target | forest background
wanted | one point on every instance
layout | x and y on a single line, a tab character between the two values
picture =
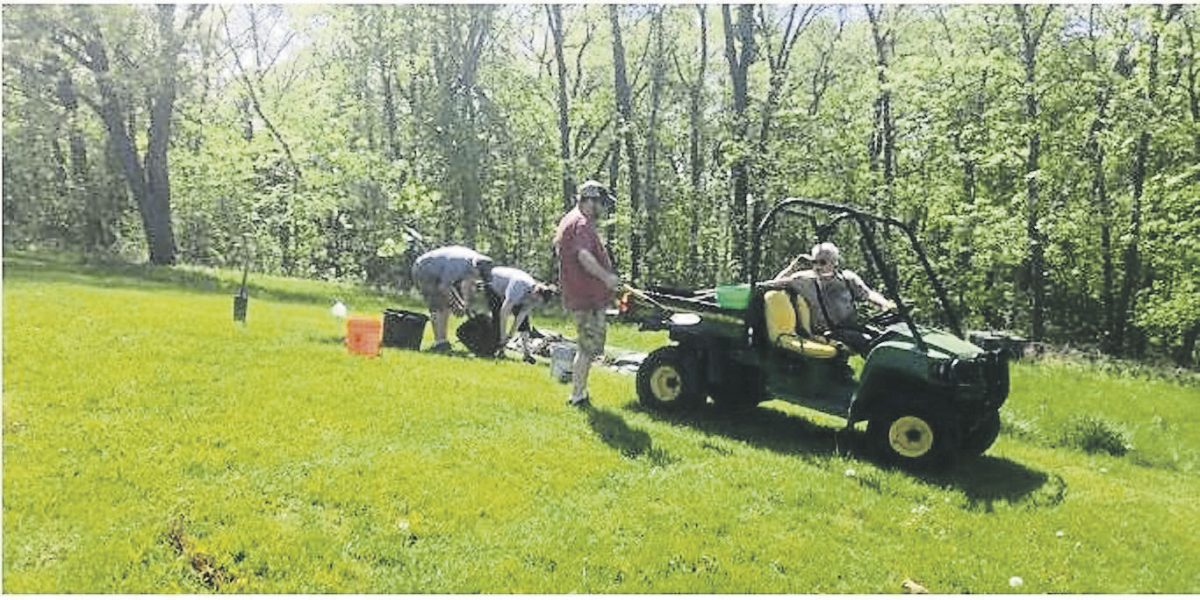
1047	156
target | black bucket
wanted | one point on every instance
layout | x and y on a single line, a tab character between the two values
403	329
479	336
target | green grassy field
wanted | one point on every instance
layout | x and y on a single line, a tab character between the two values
150	445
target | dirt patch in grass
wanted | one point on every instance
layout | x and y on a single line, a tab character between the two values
212	574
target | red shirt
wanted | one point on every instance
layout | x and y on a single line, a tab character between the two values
580	290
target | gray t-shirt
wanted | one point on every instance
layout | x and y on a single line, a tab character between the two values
448	265
838	294
512	284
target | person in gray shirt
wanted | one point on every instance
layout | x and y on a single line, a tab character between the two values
446	278
515	292
831	294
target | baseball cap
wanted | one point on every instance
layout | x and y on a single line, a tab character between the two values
592	189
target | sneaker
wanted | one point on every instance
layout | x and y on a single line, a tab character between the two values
584	402
440	348
530	359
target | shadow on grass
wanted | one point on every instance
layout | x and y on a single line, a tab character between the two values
988	480
62	268
630	442
985	480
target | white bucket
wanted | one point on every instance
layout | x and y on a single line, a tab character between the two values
562	360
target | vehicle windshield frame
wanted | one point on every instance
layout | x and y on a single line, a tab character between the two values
863	219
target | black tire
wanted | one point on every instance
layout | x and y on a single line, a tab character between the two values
670	379
742	387
916	438
977	439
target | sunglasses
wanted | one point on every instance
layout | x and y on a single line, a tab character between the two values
820	262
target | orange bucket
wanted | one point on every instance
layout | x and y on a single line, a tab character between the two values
363	335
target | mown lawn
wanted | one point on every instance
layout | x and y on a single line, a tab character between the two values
150	445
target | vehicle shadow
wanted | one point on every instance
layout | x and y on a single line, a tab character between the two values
629	441
985	480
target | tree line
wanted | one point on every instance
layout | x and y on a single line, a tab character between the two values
1048	155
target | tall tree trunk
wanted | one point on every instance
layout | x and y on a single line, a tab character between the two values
97	231
625	129
614	175
158	182
1099	191
1187	349
777	61
1192	92
823	75
1127	300
387	78
554	12
149	185
695	158
656	84
740	34
883	140
1030	38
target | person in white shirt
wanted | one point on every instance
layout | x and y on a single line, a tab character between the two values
513	293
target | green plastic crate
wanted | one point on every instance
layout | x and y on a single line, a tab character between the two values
733	296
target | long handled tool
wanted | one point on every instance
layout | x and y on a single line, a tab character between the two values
643	296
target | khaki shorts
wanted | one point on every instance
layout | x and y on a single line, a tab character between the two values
435	299
591	327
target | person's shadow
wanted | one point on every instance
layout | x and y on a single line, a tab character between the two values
630	442
985	480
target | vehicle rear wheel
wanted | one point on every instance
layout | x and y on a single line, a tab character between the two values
670	378
913	438
978	439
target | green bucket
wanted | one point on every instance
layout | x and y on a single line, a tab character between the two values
733	296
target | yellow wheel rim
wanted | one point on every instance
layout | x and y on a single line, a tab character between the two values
910	437
665	383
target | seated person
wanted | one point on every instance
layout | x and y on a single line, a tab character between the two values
830	294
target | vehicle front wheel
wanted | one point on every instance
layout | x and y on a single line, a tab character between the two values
913	439
670	378
978	439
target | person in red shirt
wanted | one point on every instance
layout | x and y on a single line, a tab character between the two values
586	279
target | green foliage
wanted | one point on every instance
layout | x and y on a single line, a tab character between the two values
1095	435
441	122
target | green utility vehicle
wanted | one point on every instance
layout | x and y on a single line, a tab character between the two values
928	396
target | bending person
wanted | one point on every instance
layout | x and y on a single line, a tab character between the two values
515	293
447	277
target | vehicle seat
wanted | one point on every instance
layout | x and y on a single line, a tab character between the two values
781	317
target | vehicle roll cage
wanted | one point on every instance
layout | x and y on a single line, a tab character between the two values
864	220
